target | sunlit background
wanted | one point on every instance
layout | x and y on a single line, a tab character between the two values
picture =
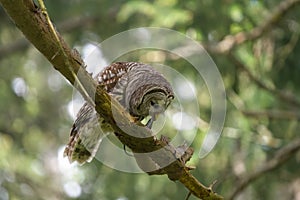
38	105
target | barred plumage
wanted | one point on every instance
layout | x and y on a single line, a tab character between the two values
140	89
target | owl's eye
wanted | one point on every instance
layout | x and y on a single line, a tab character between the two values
152	103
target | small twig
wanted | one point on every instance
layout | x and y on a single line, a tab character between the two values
213	184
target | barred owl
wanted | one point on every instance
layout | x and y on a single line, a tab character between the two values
139	88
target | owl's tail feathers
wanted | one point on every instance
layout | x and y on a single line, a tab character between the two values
75	151
85	139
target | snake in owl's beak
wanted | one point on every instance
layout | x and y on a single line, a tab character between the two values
154	111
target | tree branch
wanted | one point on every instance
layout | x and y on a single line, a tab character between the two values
231	41
65	26
274	114
287	97
34	25
280	157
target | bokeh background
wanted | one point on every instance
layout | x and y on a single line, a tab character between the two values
261	77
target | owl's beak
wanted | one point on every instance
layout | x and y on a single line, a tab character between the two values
154	112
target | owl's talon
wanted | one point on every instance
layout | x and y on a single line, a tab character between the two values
124	148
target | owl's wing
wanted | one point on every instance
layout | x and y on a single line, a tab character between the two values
111	75
89	128
86	135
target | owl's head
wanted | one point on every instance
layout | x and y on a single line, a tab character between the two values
149	93
155	101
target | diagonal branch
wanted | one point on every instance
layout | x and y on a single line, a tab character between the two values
287	97
231	41
273	114
35	26
280	157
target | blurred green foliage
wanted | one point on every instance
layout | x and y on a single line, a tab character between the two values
35	101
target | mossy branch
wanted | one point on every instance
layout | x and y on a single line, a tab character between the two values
37	28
